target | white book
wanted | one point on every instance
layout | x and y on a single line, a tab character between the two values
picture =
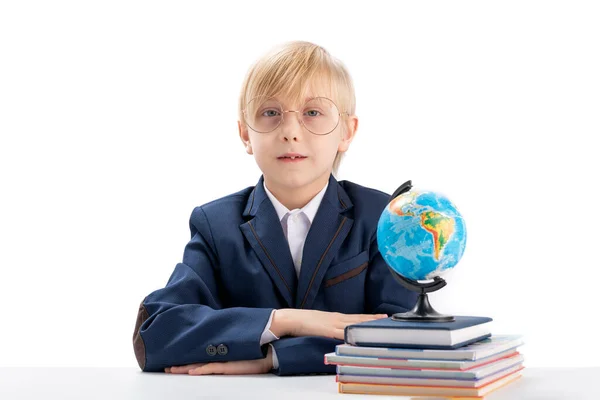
333	358
390	380
475	351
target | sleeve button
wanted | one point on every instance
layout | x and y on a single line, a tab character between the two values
222	349
211	350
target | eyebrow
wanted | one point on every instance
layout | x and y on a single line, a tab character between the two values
303	101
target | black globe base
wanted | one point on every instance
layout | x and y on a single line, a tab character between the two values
422	311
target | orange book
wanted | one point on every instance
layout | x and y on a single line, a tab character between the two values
406	390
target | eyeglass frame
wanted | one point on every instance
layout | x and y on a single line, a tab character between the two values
296	111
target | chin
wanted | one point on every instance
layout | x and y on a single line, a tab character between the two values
295	180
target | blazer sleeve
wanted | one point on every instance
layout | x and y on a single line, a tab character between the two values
383	295
304	355
185	322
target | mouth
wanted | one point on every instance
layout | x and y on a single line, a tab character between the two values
291	157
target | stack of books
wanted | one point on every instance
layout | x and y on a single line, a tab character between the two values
449	359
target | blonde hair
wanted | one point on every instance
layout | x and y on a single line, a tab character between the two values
292	69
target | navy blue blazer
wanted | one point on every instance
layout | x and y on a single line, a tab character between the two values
237	267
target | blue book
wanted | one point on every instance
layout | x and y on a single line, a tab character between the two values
387	332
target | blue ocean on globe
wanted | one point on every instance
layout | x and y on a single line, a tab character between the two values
421	235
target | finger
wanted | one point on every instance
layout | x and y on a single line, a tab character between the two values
374	315
231	368
335	332
362	316
209	369
184	369
338	334
357	319
244	367
370	317
168	370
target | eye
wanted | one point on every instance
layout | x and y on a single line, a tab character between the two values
270	113
313	113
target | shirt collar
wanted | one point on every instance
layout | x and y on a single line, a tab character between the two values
310	209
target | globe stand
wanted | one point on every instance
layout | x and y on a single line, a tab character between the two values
422	311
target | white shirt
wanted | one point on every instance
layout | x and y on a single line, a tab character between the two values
296	224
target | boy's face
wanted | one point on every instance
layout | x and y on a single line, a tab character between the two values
272	150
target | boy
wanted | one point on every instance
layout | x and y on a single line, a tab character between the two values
262	288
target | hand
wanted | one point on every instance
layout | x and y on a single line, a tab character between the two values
294	322
245	367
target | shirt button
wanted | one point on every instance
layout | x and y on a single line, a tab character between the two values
222	349
211	350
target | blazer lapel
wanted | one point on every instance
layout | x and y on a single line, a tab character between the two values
264	233
326	235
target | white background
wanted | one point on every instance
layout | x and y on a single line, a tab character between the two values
117	118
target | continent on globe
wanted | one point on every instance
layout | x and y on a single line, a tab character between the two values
441	227
399	204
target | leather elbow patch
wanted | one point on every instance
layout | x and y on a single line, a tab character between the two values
139	347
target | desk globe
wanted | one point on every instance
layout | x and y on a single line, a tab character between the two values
421	235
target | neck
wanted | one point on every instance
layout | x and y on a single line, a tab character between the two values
297	197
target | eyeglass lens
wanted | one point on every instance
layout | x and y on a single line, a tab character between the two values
319	115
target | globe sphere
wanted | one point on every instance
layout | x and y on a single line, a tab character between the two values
421	235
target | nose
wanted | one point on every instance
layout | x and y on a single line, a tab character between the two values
291	128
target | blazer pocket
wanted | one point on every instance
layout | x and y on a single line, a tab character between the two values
347	269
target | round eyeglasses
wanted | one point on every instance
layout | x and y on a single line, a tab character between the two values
319	115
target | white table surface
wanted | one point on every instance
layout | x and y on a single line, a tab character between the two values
131	384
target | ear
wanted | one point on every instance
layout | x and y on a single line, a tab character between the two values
348	133
245	137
